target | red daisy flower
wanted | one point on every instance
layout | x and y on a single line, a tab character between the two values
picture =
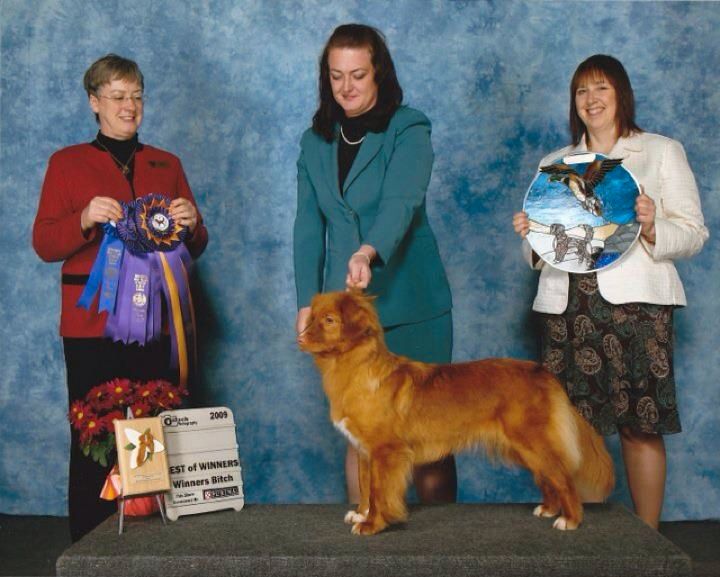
169	396
145	392
91	427
107	420
99	398
141	410
79	412
119	390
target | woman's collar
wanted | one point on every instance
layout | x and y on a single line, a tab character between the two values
632	143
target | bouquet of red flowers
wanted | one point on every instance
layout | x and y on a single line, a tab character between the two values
93	416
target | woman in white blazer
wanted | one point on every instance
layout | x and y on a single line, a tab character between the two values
608	335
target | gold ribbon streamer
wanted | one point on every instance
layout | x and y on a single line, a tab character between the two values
192	314
176	312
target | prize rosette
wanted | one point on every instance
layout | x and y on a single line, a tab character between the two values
581	210
143	262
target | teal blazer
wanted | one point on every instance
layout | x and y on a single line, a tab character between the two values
383	204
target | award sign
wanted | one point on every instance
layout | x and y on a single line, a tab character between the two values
142	456
582	212
205	472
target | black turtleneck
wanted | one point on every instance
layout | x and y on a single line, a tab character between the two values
354	129
121	151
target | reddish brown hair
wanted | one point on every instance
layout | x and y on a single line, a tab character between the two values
603	66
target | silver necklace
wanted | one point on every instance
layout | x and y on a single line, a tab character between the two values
350	142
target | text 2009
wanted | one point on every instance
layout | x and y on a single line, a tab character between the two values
214	415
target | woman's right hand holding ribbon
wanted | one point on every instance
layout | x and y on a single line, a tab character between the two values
100	210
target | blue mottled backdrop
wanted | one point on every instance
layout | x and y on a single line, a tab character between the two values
231	85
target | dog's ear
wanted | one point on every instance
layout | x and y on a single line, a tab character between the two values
357	316
360	294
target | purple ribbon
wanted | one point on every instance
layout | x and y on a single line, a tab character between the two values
138	311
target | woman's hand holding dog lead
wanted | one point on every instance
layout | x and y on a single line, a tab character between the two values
359	271
521	224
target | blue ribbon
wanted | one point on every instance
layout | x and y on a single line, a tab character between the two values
105	271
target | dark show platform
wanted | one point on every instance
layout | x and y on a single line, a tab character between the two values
442	540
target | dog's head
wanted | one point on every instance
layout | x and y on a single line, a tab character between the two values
339	322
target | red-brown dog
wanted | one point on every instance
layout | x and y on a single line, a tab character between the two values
399	412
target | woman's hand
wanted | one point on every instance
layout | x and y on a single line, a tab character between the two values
303	320
100	210
184	213
645	211
521	224
359	272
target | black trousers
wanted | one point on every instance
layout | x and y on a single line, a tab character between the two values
90	362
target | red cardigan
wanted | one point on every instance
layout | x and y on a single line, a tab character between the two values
76	175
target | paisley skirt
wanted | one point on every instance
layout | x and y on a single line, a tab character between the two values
616	361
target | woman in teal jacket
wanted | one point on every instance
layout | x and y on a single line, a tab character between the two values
363	171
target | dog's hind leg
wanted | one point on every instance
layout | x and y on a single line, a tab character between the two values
549	470
550	506
390	469
561	483
360	515
572	511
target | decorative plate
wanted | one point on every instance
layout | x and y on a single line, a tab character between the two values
582	212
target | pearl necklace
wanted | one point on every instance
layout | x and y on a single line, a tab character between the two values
350	142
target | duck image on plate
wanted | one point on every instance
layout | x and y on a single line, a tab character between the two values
582	212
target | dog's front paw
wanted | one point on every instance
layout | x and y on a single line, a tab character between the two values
564	524
544	511
352	517
368	527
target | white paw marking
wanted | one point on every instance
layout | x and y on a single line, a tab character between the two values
352	517
541	511
562	524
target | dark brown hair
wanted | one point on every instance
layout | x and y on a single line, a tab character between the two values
603	66
390	95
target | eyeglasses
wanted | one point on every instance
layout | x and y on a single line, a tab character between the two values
117	99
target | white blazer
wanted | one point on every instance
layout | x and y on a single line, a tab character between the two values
646	272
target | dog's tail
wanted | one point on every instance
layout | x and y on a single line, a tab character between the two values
595	477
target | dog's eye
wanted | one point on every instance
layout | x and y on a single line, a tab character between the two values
329	320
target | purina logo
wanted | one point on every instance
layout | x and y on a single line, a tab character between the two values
220	493
170	421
